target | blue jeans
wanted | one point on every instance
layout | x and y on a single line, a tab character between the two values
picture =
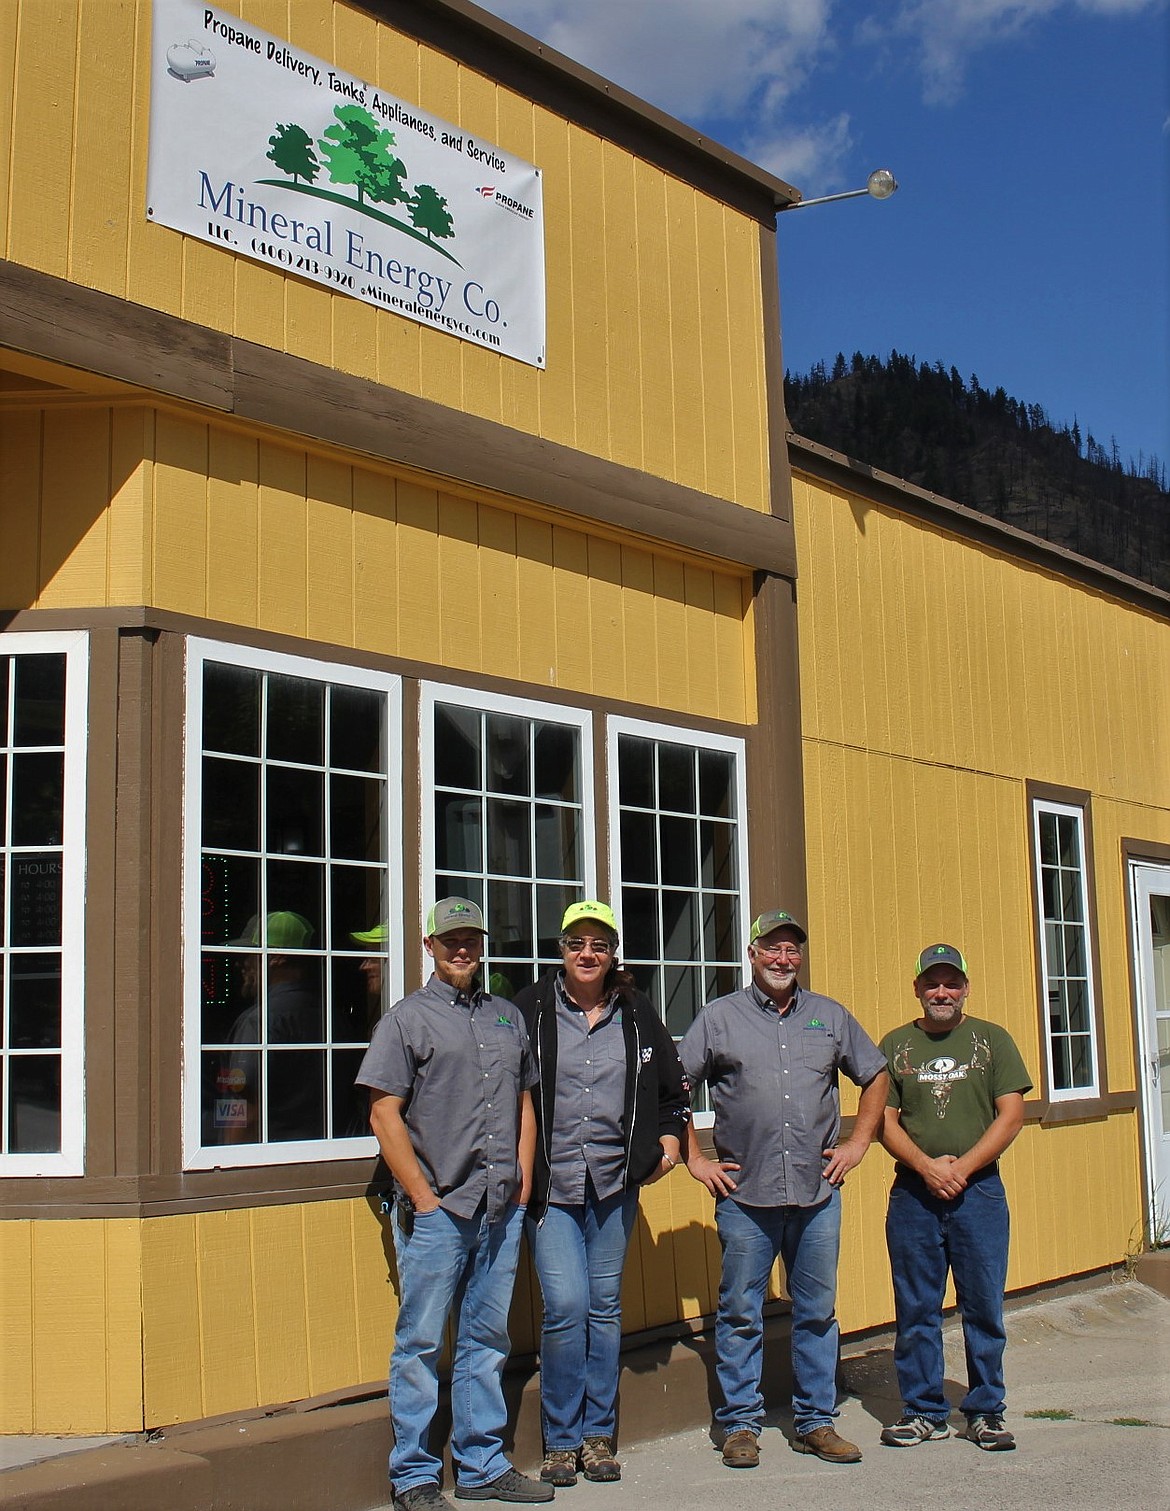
808	1240
469	1264
925	1237
580	1252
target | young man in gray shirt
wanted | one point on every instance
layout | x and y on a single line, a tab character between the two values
449	1074
770	1055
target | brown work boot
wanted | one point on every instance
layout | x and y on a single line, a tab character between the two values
559	1467
598	1462
741	1450
827	1444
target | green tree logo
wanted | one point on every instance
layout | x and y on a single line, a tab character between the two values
291	149
428	211
358	152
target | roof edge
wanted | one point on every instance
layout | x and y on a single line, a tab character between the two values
494	47
835	467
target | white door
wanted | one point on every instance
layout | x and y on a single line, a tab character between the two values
1151	914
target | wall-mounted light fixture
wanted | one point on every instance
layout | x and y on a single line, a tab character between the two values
880	184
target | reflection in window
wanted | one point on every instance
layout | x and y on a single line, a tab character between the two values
678	858
509	805
40	928
1070	1030
293	865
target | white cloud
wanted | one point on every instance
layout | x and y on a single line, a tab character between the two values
946	32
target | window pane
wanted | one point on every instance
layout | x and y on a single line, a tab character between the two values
471	887
231	804
34	1104
1048	854
358	899
231	709
555	756
36	899
356	736
640	923
358	997
1070	886
457	749
716	783
1050	892
351	1104
509	919
635	772
1061	1065
229	897
676	778
296	1094
458	832
39	715
718	868
38	798
558	842
722	981
680	926
1066	839
1076	1011
298	887
639	847
507	755
1081	1060
719	928
293	999
356	817
678	851
509	851
3	771
551	903
228	991
296	811
296	720
230	1097
682	987
34	1002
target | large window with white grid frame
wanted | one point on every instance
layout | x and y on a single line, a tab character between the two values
292	850
678	856
43	737
1066	961
507	819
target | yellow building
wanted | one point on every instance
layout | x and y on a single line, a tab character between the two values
317	600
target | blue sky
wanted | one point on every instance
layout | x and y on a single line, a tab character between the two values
1029	242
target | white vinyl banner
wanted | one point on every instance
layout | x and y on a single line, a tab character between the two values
258	147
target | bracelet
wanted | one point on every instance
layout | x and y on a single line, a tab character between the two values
670	1163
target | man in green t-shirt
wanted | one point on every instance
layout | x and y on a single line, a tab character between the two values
956	1102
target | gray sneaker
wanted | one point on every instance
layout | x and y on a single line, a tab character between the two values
990	1433
426	1497
908	1432
510	1486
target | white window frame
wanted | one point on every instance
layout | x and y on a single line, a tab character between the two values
196	1155
689	739
1047	975
432	693
70	1158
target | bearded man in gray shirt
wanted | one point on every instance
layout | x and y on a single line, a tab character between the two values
770	1055
449	1073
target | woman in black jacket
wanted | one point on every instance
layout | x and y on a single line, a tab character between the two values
612	1108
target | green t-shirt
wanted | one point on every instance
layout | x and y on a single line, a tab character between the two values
945	1084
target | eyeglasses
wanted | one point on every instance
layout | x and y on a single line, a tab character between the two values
598	946
779	951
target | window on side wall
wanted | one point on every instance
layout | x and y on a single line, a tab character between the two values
678	851
1066	959
292	828
507	820
43	724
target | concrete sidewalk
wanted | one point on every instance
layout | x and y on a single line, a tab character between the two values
1089	1401
1078	1369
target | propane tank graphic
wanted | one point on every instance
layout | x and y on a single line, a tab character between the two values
190	60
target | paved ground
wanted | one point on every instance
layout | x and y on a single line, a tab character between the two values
1082	1373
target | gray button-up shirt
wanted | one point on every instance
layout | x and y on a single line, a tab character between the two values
590	1093
460	1065
773	1084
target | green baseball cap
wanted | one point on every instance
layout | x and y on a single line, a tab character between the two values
940	954
454	913
766	922
282	931
589	912
378	935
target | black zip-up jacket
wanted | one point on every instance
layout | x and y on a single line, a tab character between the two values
657	1099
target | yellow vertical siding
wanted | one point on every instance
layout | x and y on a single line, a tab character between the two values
126	506
654	300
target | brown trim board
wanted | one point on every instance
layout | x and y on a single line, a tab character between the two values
54	319
848	475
